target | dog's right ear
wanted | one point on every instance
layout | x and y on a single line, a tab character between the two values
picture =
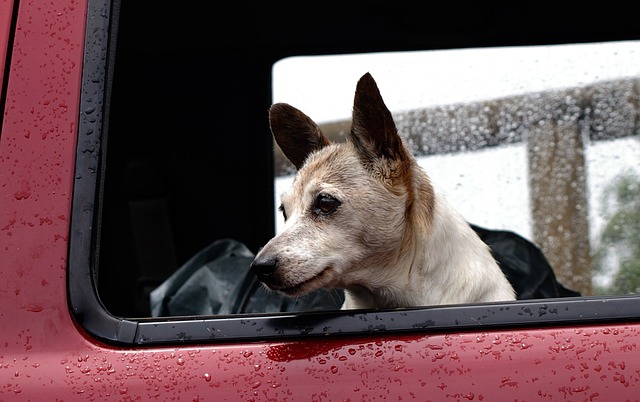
295	133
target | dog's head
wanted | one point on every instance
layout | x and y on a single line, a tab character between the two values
347	212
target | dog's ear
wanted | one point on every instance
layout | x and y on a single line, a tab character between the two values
295	133
373	130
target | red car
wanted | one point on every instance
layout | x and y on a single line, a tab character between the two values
135	135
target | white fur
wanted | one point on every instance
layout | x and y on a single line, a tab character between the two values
451	266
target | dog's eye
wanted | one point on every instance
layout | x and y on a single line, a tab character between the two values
325	204
284	213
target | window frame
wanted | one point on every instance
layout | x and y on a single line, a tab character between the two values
84	243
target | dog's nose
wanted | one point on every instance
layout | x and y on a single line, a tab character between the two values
264	267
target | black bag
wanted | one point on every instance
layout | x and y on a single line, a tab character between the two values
524	265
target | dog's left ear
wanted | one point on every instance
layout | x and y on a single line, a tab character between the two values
295	132
373	130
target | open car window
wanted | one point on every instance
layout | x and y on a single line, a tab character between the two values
178	178
538	140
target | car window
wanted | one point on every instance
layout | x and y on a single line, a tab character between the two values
177	182
538	140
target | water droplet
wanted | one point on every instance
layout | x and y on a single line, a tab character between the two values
207	377
22	194
334	369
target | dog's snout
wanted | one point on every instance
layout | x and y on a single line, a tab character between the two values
264	267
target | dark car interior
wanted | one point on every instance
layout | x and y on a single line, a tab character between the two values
188	151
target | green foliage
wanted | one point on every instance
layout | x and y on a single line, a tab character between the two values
620	239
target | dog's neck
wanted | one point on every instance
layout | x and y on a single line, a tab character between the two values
442	265
404	290
400	285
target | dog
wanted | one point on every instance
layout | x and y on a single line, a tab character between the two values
364	216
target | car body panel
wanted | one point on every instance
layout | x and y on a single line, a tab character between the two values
45	353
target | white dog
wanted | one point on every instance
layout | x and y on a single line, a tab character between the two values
363	216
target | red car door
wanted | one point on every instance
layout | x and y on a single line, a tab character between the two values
59	342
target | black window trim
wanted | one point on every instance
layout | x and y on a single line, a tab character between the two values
91	314
8	57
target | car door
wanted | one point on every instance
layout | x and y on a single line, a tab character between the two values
118	161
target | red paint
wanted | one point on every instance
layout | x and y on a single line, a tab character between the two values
44	354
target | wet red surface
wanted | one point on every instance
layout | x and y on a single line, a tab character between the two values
43	353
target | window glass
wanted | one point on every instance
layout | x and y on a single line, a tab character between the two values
542	141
